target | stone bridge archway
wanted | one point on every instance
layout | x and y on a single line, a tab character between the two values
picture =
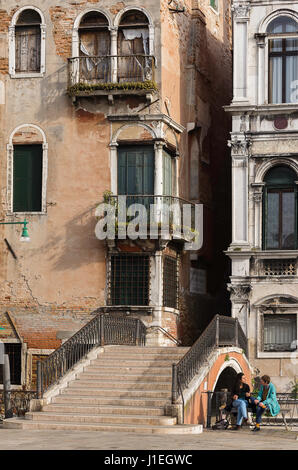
223	366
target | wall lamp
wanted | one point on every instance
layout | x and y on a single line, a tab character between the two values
25	235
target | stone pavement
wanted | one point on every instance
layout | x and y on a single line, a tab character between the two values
267	439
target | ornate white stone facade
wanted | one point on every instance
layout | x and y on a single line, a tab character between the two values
264	135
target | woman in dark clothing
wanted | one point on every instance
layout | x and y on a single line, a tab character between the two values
240	396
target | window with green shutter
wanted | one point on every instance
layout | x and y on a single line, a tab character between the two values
136	170
27	178
214	4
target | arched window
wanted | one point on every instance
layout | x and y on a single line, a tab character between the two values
280	209
283	60
28	42
94	47
27	170
134	63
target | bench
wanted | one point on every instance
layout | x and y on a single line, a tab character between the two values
287	405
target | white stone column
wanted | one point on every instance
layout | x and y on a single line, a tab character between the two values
239	147
12	53
158	172
75	63
258	199
261	67
9	193
44	177
114	167
158	180
114	50
43	48
240	294
240	21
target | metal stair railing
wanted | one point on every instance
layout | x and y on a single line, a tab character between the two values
101	330
222	331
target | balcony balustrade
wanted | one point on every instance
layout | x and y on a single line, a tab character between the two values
158	216
95	75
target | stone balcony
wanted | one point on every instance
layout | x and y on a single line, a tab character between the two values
109	76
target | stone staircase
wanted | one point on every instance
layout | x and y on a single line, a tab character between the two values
126	388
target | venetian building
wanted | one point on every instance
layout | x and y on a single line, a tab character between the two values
101	99
264	151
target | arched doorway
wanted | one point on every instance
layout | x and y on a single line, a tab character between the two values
222	389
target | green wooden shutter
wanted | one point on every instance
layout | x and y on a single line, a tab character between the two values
135	170
27	178
167	174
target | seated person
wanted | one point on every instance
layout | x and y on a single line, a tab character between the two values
266	400
240	395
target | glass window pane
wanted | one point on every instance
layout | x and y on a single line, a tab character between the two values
275	45
272	241
282	24
288	221
280	332
291	79
275	66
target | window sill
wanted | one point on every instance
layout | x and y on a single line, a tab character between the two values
214	11
11	214
27	75
277	355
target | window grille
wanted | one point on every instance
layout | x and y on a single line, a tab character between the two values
280	267
14	353
129	279
170	282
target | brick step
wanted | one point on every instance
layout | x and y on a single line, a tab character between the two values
17	423
128	377
101	419
104	401
103	409
123	385
95	391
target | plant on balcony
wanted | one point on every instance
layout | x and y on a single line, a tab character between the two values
90	88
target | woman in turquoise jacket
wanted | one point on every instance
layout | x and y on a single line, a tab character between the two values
266	400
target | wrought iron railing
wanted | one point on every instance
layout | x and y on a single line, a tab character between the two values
91	70
221	331
19	402
101	330
166	215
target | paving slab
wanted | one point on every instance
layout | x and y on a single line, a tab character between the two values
266	439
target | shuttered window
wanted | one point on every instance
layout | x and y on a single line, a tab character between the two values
95	47
170	282
28	49
27	178
28	42
136	170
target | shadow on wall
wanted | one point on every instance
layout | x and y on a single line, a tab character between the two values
53	95
77	246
